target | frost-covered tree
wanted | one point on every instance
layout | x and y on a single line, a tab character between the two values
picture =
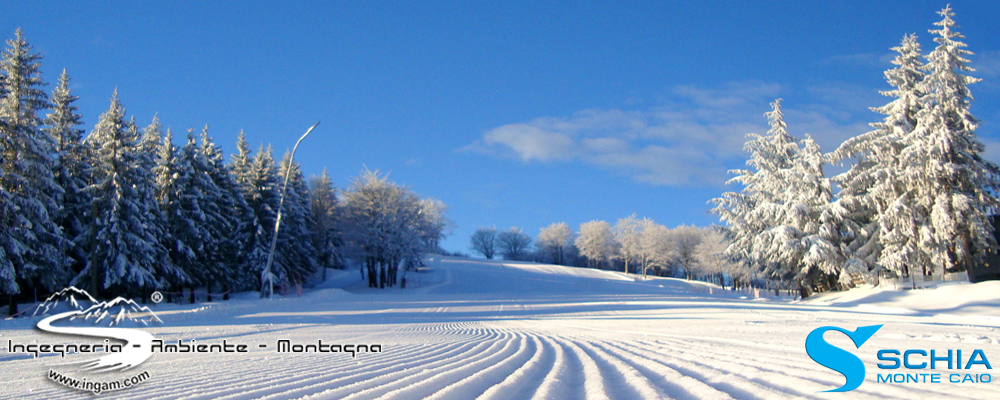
241	163
261	193
597	243
257	199
782	223
952	187
656	248
388	225
709	258
876	221
230	226
178	202
484	241
757	207
124	234
71	167
196	223
432	227
513	243
32	246
325	215
628	232
808	235
294	249
554	240
684	239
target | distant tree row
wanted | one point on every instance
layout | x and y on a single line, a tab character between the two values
632	245
915	200
125	211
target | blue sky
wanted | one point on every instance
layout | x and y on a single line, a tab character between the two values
512	113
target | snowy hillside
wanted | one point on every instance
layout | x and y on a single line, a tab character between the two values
467	329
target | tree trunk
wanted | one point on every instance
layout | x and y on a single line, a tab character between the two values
11	305
381	276
94	273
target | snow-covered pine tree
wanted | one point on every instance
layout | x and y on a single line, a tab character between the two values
232	226
810	226
782	223
294	237
71	168
257	237
179	202
326	238
151	141
241	163
873	193
202	226
262	198
952	186
33	244
126	225
754	210
168	177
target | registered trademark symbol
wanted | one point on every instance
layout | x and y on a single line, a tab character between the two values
156	297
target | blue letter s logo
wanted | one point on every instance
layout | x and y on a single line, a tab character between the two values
838	359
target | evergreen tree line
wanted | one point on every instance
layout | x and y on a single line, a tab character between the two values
915	201
125	211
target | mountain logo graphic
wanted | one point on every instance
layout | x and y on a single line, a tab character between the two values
75	312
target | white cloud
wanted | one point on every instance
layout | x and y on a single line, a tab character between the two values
987	64
691	138
531	142
868	60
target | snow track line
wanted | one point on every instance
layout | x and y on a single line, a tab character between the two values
299	381
379	368
621	380
444	376
739	367
387	379
401	352
741	389
674	383
530	375
479	382
551	384
593	382
369	381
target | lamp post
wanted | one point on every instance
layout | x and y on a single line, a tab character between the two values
277	221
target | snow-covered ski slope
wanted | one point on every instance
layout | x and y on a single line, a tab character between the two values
468	329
